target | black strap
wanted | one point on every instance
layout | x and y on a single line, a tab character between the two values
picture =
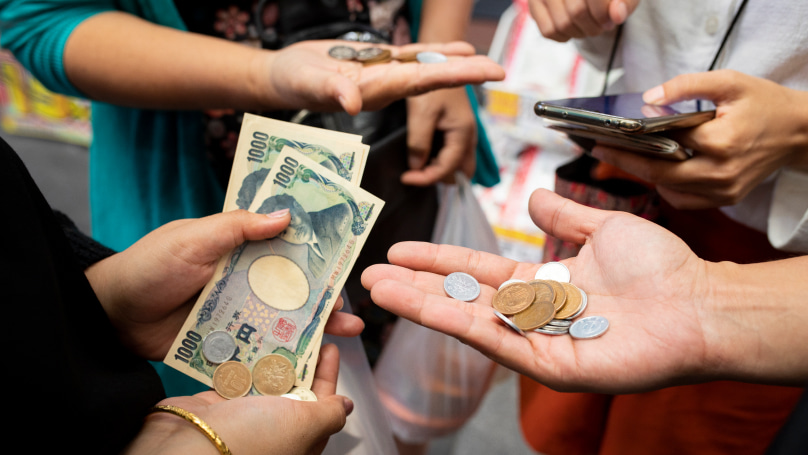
619	33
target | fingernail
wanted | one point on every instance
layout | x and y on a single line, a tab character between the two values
348	405
278	214
654	95
342	103
622	13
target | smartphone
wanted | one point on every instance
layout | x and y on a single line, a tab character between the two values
626	113
646	144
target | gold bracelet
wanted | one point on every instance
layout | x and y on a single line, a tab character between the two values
203	427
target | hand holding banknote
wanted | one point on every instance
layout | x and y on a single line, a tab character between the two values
257	326
148	289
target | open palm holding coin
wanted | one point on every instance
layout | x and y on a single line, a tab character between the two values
643	279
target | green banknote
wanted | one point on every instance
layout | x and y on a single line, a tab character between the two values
274	296
261	140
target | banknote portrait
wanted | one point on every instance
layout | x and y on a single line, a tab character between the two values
323	231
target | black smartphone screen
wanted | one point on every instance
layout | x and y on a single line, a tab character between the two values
628	105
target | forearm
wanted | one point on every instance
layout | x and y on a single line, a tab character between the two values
755	327
444	20
121	59
168	434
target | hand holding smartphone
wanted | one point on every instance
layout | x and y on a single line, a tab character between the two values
624	121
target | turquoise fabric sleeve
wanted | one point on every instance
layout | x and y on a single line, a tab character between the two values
36	33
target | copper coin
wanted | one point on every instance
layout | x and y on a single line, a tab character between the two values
573	304
544	291
370	55
406	57
513	298
274	375
536	315
232	379
559	294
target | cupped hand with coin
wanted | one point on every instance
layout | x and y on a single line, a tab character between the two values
148	289
674	318
253	424
303	75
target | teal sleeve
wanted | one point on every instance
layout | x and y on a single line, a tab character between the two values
36	33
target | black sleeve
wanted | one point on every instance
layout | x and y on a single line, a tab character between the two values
86	250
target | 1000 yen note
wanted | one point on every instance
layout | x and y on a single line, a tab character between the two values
261	140
274	296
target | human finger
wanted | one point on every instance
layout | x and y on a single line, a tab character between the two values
421	121
327	371
716	86
487	268
344	324
563	218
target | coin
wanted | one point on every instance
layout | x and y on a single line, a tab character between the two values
560	323
584	300
405	57
273	374
301	394
589	327
218	347
544	291
536	315
513	298
573	304
513	280
232	379
547	330
461	286
370	55
342	52
555	271
508	322
431	57
559	295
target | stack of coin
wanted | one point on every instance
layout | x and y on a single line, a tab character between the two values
551	306
374	55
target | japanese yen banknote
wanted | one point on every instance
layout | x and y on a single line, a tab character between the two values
274	296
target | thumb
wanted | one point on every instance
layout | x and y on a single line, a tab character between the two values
330	416
715	86
346	92
620	10
564	219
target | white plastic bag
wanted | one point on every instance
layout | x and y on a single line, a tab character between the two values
367	430
429	382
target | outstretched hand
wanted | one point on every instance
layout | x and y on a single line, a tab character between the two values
642	278
303	75
253	424
149	289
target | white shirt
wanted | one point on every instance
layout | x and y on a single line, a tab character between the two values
665	38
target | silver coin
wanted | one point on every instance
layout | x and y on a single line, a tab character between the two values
584	300
549	331
218	347
560	323
555	271
514	280
300	394
509	323
342	52
461	286
589	327
431	57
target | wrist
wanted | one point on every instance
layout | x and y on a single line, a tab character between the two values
754	326
169	434
799	105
